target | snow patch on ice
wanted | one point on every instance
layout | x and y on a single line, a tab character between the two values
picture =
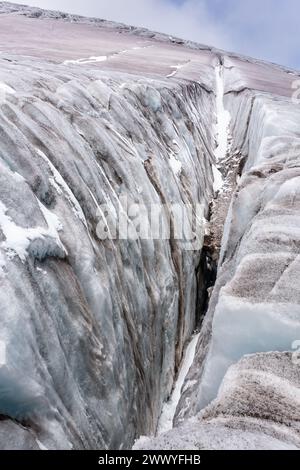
41	446
176	67
41	270
218	179
61	186
223	117
169	410
18	238
101	58
2	353
6	89
87	60
175	164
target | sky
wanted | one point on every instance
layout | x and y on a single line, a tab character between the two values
266	29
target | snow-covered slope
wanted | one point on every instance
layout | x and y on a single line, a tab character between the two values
96	116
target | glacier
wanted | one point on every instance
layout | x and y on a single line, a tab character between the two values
97	337
257	408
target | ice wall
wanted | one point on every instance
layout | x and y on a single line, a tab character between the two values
257	408
255	304
93	330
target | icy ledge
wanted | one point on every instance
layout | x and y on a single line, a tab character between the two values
258	407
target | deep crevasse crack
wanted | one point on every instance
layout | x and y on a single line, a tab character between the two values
223	119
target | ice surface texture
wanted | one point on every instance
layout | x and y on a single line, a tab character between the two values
255	304
92	332
257	408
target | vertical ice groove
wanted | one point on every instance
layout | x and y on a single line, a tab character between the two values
223	116
169	409
222	137
222	127
60	184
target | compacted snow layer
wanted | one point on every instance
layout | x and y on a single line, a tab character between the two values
257	407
